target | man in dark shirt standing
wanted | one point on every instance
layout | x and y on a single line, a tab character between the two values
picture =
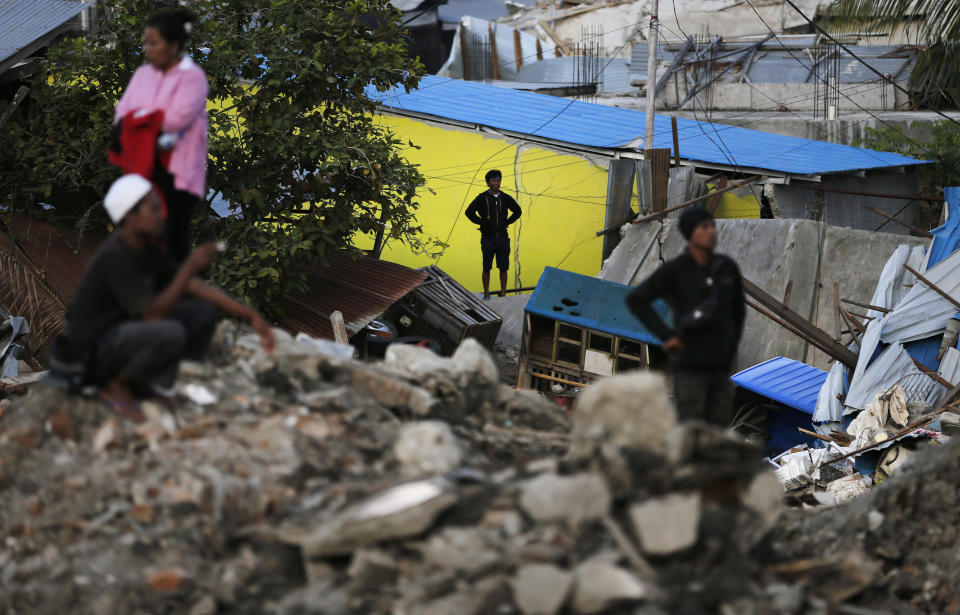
705	292
136	313
494	211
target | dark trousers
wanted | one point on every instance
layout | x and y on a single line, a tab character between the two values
704	396
149	352
180	205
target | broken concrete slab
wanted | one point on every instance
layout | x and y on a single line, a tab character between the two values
601	585
667	524
541	589
427	448
572	499
604	419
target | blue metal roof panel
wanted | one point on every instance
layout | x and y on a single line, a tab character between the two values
789	382
24	21
591	303
601	126
946	238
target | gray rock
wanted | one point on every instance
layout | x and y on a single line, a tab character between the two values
573	499
632	410
764	496
427	448
472	362
541	589
461	548
371	569
667	524
600	585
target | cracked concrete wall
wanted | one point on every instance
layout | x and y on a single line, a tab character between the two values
773	254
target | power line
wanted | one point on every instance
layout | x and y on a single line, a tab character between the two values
827	83
847	49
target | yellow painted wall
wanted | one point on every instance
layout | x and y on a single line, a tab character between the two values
563	198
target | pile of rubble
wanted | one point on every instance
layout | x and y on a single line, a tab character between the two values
872	418
307	482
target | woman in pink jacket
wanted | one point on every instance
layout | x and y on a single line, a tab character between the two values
171	82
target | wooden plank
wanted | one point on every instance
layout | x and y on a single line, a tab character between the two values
465	57
539	50
808	330
17	99
898	221
676	141
517	49
879	195
867	305
557	41
660	172
616	227
495	57
836	309
339	328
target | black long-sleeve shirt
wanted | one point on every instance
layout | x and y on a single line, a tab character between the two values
493	213
685	285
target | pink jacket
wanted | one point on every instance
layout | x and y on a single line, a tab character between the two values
182	95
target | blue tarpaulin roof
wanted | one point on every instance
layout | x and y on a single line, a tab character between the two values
601	126
591	303
789	382
946	238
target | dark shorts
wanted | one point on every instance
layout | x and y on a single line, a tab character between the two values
495	246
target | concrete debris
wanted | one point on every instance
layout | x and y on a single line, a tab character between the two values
310	486
428	447
668	524
541	589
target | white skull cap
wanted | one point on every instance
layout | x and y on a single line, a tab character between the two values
124	194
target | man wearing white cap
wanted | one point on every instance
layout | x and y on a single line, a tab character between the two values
136	313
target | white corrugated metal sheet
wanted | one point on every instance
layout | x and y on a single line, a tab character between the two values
923	312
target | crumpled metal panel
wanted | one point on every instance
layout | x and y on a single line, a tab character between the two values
892	366
829	408
923	312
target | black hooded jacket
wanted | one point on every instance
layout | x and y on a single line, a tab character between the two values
493	213
688	288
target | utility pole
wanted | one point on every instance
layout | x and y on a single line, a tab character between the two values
651	77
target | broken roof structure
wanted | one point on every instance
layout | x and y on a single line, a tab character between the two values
26	26
360	287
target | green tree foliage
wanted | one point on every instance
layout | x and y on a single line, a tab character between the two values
935	81
295	147
942	145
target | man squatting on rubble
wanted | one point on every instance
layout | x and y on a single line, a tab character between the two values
136	312
705	293
490	210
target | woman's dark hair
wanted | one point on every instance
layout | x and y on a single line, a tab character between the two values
173	25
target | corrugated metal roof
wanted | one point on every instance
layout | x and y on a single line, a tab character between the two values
591	303
615	77
774	64
361	288
601	126
789	382
24	21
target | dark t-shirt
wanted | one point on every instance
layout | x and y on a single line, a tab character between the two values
118	284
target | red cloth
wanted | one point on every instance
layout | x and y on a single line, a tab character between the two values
138	151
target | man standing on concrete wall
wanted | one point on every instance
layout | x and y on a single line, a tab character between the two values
494	211
705	293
